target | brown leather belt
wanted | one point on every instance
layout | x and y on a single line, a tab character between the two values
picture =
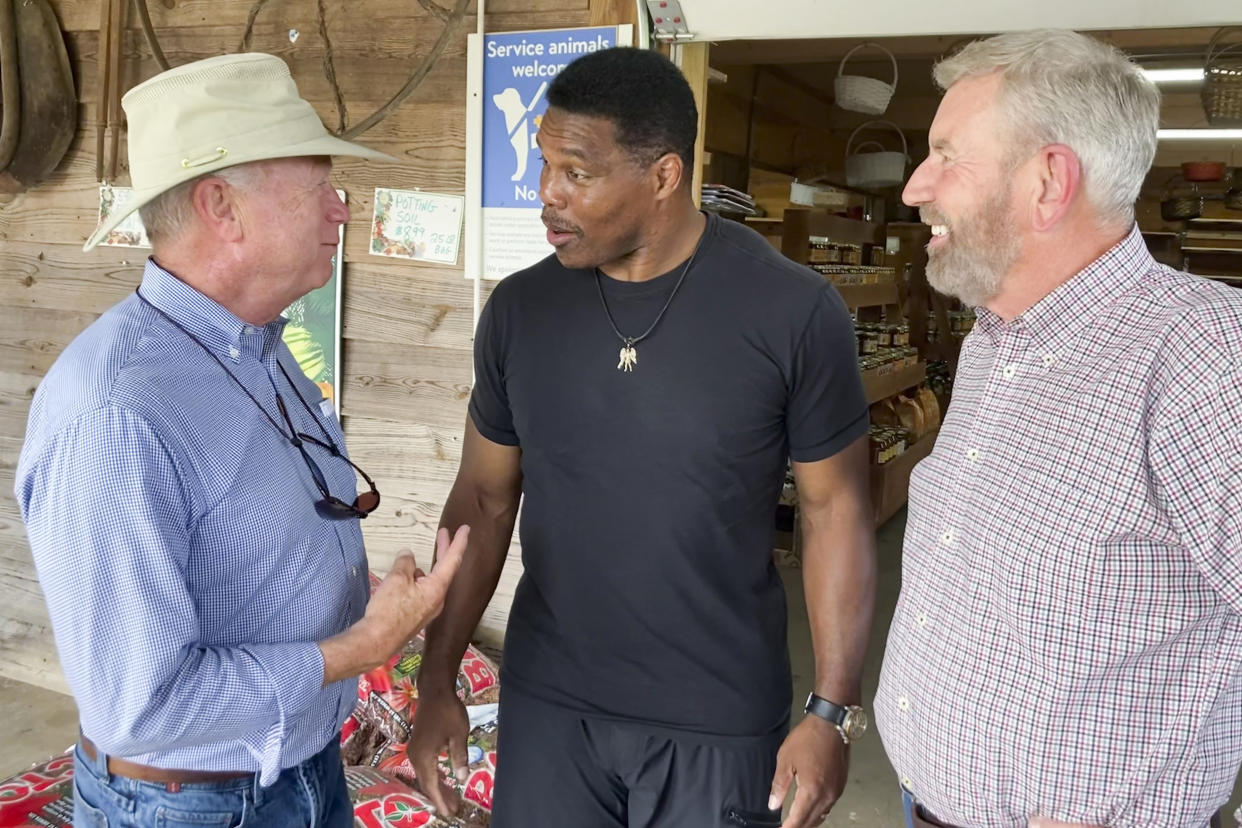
164	776
921	819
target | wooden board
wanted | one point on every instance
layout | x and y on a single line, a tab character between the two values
890	482
867	296
880	385
81	15
800	223
406	383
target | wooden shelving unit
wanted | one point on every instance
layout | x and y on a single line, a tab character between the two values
880	385
800	224
863	296
890	482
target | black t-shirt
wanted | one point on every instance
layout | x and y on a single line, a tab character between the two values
649	592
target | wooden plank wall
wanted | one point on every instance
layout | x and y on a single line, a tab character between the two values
407	326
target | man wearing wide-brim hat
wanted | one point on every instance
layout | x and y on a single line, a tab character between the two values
193	514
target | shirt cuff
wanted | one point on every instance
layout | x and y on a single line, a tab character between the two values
296	675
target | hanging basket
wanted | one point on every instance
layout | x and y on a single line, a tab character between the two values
874	170
1222	79
859	93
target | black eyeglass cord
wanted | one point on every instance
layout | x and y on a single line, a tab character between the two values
292	437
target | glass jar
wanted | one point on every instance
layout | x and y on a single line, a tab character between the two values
818	253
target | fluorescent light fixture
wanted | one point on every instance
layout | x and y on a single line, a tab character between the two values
1199	135
1174	75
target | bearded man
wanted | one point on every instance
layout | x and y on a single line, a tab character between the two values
1068	641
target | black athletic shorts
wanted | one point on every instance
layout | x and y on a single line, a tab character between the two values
561	769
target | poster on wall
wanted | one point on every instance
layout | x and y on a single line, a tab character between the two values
130	232
313	330
507	81
411	224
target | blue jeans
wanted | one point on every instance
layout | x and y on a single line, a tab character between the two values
908	805
310	795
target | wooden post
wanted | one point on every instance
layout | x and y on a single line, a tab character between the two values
692	58
614	12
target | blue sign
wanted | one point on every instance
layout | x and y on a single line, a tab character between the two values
517	68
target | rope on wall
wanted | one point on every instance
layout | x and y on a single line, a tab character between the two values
450	20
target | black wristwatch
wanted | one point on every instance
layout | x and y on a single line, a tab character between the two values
850	721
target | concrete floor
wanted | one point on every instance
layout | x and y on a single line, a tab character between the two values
870	797
36	724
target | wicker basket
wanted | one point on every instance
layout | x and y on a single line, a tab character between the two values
1178	205
859	93
1222	78
1233	196
874	170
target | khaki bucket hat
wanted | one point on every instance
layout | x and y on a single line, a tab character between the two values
216	113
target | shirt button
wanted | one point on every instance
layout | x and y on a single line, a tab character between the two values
906	783
353	572
921	619
948	537
973	455
234	352
1010	371
903	704
1049	360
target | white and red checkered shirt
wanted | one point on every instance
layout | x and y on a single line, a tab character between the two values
1068	641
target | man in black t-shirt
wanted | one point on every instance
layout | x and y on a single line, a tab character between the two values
640	391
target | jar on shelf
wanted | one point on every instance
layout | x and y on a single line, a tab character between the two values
871	339
818	253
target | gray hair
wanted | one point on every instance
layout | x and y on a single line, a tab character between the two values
1061	87
166	216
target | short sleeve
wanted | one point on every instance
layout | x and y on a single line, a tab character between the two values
827	408
489	400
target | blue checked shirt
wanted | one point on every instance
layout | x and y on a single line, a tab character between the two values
187	575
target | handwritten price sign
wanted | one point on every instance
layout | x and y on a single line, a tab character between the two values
416	225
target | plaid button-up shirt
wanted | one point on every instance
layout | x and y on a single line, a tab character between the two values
1068	641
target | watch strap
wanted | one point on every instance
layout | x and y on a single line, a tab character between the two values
826	710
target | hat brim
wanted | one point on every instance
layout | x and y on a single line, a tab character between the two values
322	145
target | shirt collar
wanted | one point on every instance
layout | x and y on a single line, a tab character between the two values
205	318
1055	322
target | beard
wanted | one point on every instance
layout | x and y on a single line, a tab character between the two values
979	251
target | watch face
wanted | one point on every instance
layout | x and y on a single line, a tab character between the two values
855	724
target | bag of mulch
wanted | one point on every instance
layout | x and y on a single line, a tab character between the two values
382	800
41	797
388	697
376	733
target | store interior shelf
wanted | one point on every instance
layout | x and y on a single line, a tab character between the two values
890	482
864	296
800	224
879	385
